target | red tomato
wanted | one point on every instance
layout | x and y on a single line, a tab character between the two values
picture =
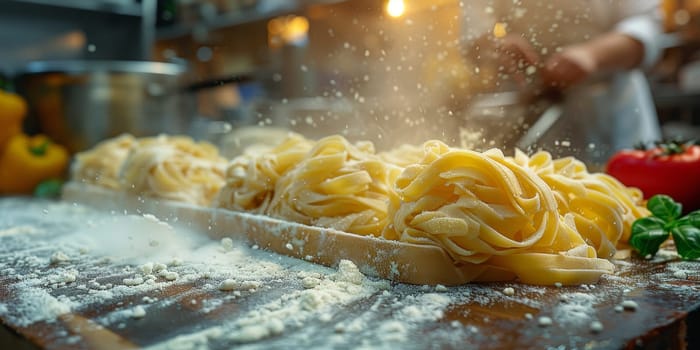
672	169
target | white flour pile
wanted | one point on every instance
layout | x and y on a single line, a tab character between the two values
35	305
575	309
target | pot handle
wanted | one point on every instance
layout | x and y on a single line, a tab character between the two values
206	84
157	90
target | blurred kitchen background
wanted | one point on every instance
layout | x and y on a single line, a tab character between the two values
391	71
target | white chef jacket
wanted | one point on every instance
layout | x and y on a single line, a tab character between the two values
602	115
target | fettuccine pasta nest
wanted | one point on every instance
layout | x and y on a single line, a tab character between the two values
251	177
485	209
174	168
600	207
101	165
337	185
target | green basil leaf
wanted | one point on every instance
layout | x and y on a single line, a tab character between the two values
644	225
647	235
692	219
687	239
664	207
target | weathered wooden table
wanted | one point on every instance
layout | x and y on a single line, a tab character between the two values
75	278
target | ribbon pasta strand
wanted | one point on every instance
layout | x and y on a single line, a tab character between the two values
337	185
175	168
251	178
599	206
101	165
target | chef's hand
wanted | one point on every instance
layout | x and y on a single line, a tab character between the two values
569	67
516	54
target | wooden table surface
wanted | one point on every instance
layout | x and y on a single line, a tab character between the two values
42	308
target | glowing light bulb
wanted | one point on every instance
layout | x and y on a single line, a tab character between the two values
395	8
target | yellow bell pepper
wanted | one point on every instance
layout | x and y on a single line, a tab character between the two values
13	108
27	161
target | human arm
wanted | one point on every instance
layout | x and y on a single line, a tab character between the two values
637	40
608	52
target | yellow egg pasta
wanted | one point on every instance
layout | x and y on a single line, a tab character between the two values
337	185
483	208
538	219
403	155
600	207
101	165
251	177
175	168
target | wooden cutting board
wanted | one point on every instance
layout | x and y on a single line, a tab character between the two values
396	261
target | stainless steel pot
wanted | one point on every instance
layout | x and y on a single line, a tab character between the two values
79	103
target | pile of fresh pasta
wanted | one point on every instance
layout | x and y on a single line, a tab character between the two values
524	215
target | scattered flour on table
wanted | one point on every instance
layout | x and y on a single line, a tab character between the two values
198	340
423	308
59	257
680	274
575	309
312	296
63	234
596	326
683	269
227	244
138	312
169	275
128	258
35	304
340	288
179	256
293	309
63	277
409	312
227	284
629	305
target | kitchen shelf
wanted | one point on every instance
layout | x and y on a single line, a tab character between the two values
235	18
221	21
128	8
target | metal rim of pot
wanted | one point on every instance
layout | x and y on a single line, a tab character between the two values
83	66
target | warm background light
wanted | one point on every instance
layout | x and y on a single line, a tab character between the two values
395	8
287	30
499	30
